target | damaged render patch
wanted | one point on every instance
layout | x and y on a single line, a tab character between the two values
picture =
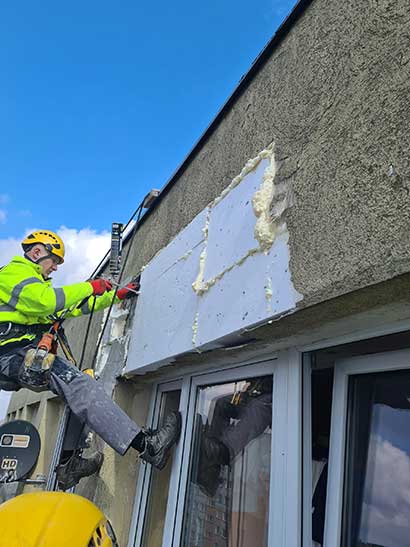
115	331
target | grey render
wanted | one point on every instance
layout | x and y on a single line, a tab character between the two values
333	94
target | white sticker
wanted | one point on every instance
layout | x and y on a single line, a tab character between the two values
9	463
9	440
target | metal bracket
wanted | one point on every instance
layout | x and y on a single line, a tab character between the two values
150	198
116	249
7	330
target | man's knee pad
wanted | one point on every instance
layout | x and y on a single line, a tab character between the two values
35	370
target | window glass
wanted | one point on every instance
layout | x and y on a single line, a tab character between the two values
159	486
322	385
377	486
227	503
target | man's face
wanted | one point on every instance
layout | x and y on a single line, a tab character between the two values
48	264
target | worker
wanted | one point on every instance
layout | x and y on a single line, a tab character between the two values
54	519
28	306
236	421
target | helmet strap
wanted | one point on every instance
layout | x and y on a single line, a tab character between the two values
27	257
38	263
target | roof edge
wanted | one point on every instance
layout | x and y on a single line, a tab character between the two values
257	64
281	33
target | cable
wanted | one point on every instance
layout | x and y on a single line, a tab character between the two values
80	363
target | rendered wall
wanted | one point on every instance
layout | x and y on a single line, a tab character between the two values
333	97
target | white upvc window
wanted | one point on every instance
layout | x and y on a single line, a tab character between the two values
235	477
155	488
368	499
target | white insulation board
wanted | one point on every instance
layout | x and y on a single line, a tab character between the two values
241	284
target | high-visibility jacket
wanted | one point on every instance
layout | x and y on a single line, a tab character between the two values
26	298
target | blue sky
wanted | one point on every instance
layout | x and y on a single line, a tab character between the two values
99	102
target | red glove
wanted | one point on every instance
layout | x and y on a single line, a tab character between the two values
125	292
100	286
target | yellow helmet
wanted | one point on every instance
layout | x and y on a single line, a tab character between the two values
51	241
52	519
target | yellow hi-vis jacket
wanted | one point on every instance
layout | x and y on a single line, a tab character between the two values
26	298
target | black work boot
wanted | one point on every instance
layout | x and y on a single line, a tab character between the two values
158	443
77	467
213	454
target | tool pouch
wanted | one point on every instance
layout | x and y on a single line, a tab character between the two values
34	372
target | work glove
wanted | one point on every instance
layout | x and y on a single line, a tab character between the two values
100	286
125	292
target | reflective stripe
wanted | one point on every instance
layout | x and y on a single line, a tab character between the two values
18	288
85	308
6	308
60	299
27	337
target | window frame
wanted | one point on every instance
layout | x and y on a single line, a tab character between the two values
307	450
285	472
145	472
344	368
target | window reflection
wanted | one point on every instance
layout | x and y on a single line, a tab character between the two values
377	508
228	490
322	383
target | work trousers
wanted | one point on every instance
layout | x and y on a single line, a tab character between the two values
85	397
252	418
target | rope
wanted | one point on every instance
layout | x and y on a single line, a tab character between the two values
80	363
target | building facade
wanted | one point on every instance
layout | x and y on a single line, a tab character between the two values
274	309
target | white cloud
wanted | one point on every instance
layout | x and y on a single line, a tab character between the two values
385	518
84	250
4	403
8	248
3	216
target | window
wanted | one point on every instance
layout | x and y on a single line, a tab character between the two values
231	462
377	499
321	406
236	442
31	412
369	464
159	483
